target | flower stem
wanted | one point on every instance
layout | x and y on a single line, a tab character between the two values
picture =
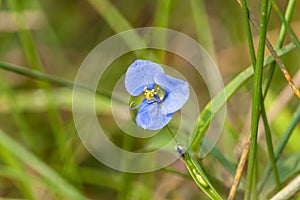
257	84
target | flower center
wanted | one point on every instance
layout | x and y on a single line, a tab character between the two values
149	94
154	95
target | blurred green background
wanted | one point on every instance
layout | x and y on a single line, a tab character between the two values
43	157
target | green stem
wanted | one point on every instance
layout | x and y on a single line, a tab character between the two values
198	174
34	61
279	43
285	23
281	145
219	101
263	111
257	84
270	146
202	25
47	78
161	19
248	31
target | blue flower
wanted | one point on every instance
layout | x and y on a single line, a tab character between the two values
163	94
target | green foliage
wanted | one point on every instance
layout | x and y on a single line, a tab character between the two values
43	43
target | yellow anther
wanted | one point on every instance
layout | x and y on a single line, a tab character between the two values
149	94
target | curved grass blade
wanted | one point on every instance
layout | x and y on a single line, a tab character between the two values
198	174
57	182
219	101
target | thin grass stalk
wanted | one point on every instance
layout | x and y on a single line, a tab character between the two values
285	23
281	65
280	146
267	128
241	164
201	22
26	135
279	43
118	23
46	78
256	96
35	63
270	146
161	19
206	115
24	185
269	139
239	171
17	115
54	179
263	111
248	32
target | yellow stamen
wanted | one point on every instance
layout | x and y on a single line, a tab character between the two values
149	94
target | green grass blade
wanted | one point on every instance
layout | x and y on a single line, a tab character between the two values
17	115
285	23
45	77
35	63
288	16
162	14
99	178
60	184
263	111
218	102
256	98
229	166
248	31
161	19
36	75
270	146
202	25
13	173
280	146
117	22
26	135
279	43
24	183
111	15
198	174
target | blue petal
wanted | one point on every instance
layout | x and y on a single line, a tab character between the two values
177	92
150	116
141	74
